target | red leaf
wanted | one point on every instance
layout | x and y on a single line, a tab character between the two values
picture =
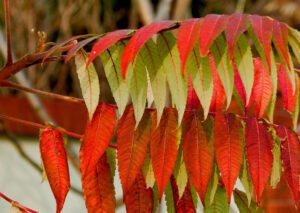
96	138
132	145
105	42
164	149
239	86
211	28
175	191
259	154
237	24
218	98
289	99
263	27
56	164
290	156
141	36
281	34
98	188
262	88
197	151
193	101
229	149
138	197
188	33
185	204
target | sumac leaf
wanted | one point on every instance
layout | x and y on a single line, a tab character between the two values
164	149
262	88
263	27
55	162
188	34
139	198
288	96
185	203
97	136
290	156
198	151
259	154
132	146
210	29
229	148
237	24
140	37
105	42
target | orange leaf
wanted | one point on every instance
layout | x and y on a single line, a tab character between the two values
288	96
132	145
229	149
262	88
164	149
98	188
139	198
259	154
197	151
96	138
56	164
290	156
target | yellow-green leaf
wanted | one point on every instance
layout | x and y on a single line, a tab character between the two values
89	82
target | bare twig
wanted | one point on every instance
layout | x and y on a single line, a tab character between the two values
15	203
12	85
8	36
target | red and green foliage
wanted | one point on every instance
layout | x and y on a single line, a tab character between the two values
192	77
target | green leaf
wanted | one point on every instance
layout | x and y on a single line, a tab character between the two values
294	41
89	82
194	195
224	66
201	76
169	55
155	198
244	62
157	75
246	180
240	199
295	113
180	172
169	198
212	187
148	172
271	107
111	62
276	165
111	154
219	203
136	81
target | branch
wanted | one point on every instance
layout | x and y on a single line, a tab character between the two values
12	85
23	154
41	126
15	203
8	36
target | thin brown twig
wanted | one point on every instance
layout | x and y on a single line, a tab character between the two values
15	203
12	85
41	126
8	35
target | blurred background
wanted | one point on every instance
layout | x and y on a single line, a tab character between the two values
35	22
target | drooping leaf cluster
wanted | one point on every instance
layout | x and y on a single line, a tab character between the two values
175	137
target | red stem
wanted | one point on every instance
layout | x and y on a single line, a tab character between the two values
8	36
12	85
41	126
20	206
